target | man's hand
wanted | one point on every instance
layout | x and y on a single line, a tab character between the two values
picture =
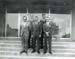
31	36
47	33
39	35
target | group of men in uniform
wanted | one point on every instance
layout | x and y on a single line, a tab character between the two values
36	35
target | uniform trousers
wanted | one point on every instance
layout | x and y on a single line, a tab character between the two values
47	43
36	43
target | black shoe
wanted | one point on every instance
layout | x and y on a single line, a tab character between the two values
38	52
33	51
50	52
23	52
26	52
45	52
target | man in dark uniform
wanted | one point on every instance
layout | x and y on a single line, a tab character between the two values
36	34
47	37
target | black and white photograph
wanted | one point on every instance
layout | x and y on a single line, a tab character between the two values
37	29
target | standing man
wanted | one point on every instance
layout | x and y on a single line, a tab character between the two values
36	33
47	33
47	39
25	35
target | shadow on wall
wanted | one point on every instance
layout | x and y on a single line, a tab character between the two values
11	32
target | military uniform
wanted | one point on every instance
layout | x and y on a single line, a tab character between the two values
36	33
24	37
47	38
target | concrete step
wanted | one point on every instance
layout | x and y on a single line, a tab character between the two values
19	49
19	39
39	57
11	48
18	53
24	57
7	41
53	50
53	46
53	43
